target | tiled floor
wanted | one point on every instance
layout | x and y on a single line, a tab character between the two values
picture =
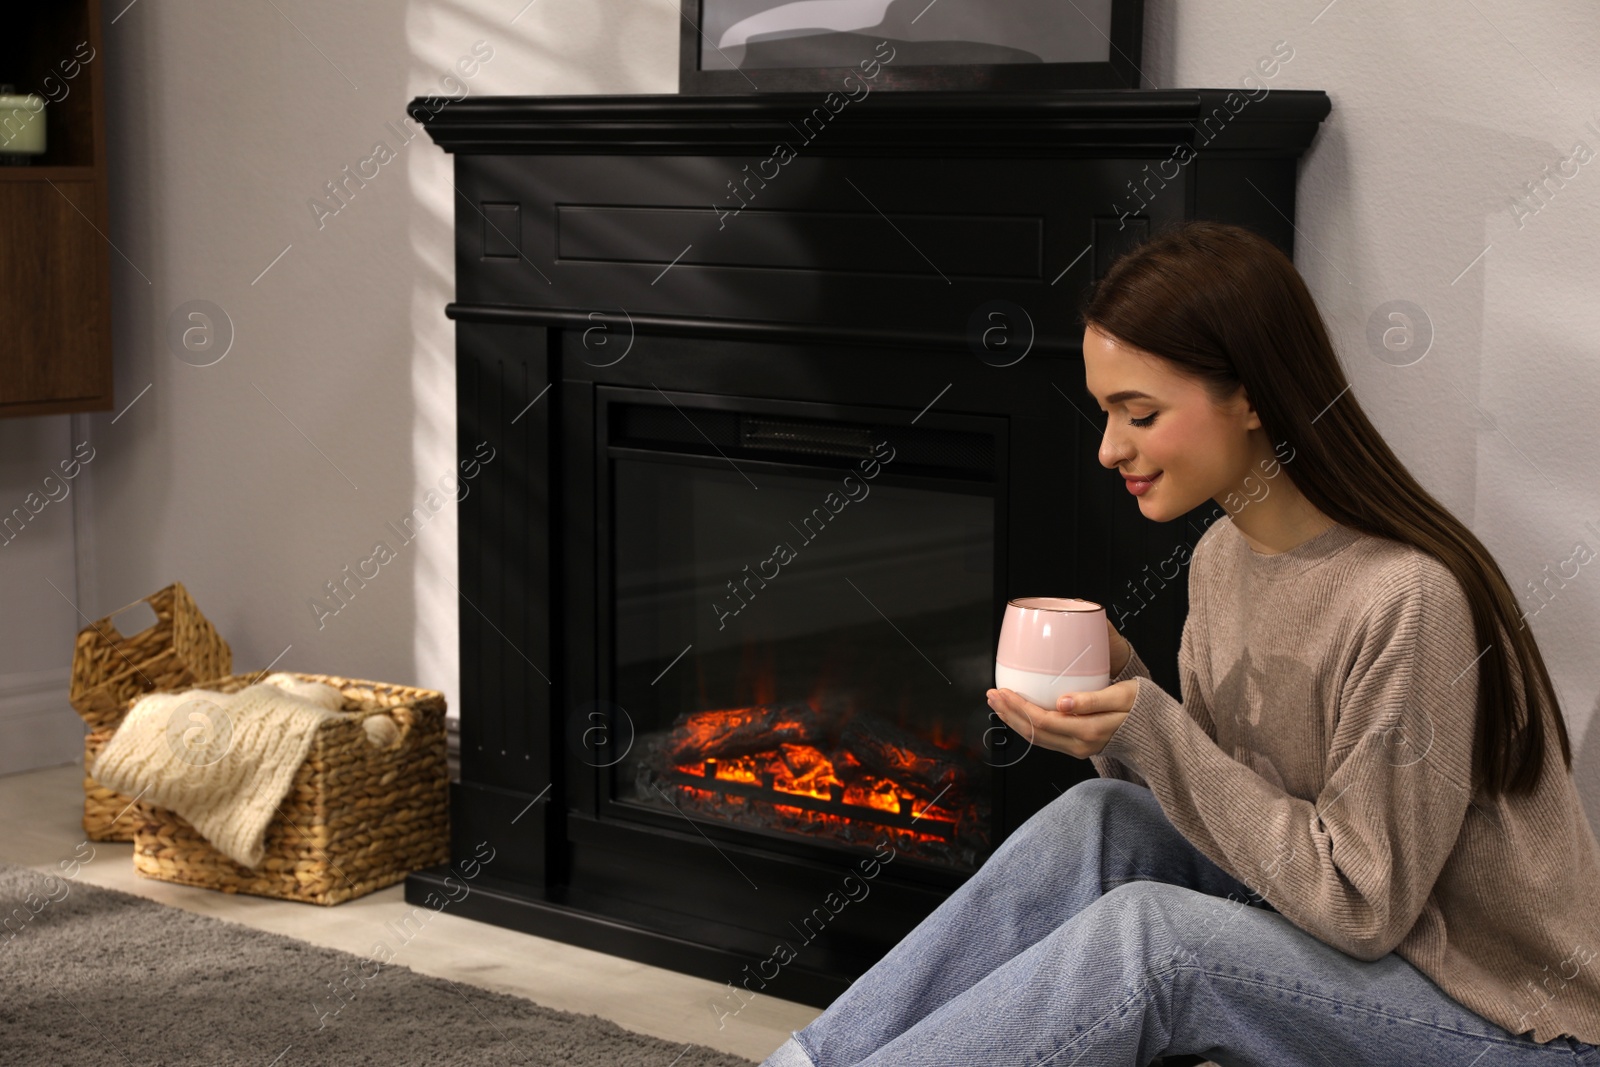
42	810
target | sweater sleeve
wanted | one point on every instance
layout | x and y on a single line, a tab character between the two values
1355	868
1110	766
1106	766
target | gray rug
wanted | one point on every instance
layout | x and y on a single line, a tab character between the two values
92	975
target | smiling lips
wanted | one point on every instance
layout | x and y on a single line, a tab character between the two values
1138	485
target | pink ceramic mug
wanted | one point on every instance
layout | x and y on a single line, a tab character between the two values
1052	646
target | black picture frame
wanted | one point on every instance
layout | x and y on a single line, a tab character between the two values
1119	71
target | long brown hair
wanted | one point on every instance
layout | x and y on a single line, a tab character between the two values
1228	307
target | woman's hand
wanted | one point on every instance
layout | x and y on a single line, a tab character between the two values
1081	726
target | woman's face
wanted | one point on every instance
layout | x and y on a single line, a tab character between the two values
1163	425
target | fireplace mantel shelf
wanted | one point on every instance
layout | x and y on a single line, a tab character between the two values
1072	122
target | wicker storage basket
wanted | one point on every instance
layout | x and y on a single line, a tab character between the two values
109	670
358	817
107	814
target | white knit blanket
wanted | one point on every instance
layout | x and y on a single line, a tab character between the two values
224	762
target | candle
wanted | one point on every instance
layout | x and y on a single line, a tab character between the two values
22	125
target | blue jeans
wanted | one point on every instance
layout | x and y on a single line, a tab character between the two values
1096	934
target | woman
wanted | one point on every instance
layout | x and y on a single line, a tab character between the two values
1350	843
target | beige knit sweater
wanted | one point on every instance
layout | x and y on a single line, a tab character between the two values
1322	755
222	761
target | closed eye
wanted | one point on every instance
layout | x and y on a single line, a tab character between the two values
1146	421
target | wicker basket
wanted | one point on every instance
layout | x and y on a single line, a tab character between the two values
107	814
357	818
109	670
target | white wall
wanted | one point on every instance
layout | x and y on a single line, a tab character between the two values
38	589
257	479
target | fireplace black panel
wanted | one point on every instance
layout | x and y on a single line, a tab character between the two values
642	337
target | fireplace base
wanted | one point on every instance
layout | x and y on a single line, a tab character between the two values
634	932
671	898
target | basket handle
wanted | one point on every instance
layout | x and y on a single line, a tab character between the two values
117	635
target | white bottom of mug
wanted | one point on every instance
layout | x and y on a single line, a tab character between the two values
1045	689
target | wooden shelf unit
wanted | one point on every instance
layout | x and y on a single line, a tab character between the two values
55	255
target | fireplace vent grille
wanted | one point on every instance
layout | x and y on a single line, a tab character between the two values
714	430
787	435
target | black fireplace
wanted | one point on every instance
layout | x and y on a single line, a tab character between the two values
774	443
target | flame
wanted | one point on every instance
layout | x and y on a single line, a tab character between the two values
801	769
800	763
757	671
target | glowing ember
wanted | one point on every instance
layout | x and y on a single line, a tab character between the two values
848	777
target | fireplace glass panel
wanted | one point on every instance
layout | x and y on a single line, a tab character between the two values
809	657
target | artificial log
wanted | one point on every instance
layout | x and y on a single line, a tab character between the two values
730	732
883	750
866	747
